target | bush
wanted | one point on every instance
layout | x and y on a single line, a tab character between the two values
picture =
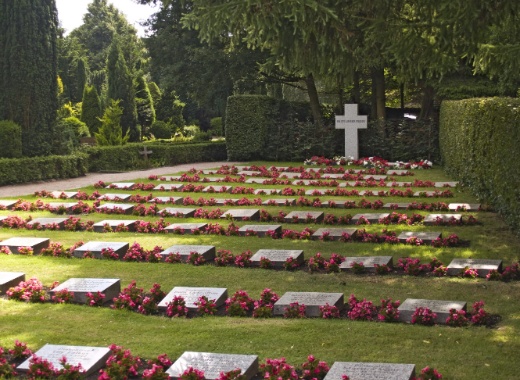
161	130
216	127
10	139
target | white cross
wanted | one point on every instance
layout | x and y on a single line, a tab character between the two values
351	122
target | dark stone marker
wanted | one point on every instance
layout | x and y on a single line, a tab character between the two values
241	214
92	359
441	308
371	371
111	207
333	233
14	243
208	252
43	222
192	294
113	224
177	211
373	218
260	229
304	217
396	206
369	262
217	189
426	237
277	256
95	247
280	202
9	280
186	228
312	301
213	364
483	266
110	287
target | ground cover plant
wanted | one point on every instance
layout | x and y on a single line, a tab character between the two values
457	352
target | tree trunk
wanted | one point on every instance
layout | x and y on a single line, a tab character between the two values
356	89
378	93
314	100
401	95
427	109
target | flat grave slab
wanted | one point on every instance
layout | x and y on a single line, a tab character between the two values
14	243
9	280
177	212
64	194
333	233
371	371
169	187
277	256
290	175
122	185
213	364
113	224
260	229
95	247
368	261
464	206
280	202
318	192
332	175
312	182
267	191
213	179
250	173
397	172
396	206
427	194
186	228
226	201
241	214
373	218
114	197
398	184
433	219
126	208
312	301
375	177
208	252
7	204
172	200
441	308
446	184
483	266
192	294
91	359
426	237
110	287
217	189
44	222
304	217
256	180
66	206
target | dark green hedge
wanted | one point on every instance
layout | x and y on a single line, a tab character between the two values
479	143
22	170
10	139
127	157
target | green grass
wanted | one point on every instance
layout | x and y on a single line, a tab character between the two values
458	353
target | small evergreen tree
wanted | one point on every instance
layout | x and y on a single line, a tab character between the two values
110	132
91	109
145	106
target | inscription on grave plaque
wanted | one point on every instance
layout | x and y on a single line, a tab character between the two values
439	307
208	252
369	262
333	233
311	300
371	371
277	256
482	266
192	294
110	287
14	243
95	247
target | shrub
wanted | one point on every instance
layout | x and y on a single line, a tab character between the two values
10	139
161	130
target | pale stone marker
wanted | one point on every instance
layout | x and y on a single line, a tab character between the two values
371	217
207	251
433	219
260	229
9	280
14	243
311	300
279	202
441	308
482	266
177	212
95	247
192	294
114	197
213	364
371	371
66	206
173	200
7	203
91	358
277	256
241	214
122	185
464	206
304	217
64	194
169	187
426	237
351	122
110	287
113	224
127	208
368	262
217	189
43	222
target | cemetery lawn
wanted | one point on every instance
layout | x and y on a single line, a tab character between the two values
458	353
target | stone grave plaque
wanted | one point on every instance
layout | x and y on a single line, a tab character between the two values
213	364
446	184
441	308
114	197
169	187
92	359
241	214
397	172
431	219
398	184
111	207
267	191
177	212
67	206
64	194
332	175
226	201
464	206
333	233
250	173
426	237
290	175
37	244
217	189
7	203
122	185
213	179
256	180
110	287
373	218
483	266
427	194
9	280
280	202
312	301
277	256
208	252
368	261
114	223
374	177
260	229
396	206
318	192
173	200
186	228
371	371
95	247
304	216
43	222
192	294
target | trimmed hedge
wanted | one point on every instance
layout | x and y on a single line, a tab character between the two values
479	143
22	170
127	157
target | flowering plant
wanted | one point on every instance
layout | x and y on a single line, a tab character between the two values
388	312
206	306
314	369
294	310
95	299
360	310
177	307
192	374
457	318
240	304
29	291
120	365
423	316
329	311
275	369
63	296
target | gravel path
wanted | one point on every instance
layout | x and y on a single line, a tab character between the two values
91	178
